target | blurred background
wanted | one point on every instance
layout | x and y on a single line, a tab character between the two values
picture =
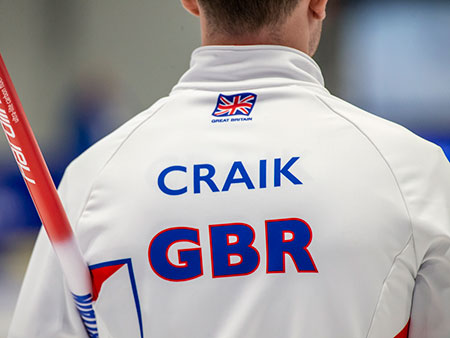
83	67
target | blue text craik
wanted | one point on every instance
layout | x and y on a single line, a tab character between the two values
202	177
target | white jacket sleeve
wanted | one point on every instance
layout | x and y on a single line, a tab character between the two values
45	307
422	173
428	197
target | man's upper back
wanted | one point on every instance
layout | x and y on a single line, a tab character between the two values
252	203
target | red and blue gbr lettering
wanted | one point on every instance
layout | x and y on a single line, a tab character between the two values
232	250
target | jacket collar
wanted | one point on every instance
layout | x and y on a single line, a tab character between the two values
221	68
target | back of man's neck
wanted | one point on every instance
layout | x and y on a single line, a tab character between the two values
260	38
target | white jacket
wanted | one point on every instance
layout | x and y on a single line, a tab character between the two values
288	213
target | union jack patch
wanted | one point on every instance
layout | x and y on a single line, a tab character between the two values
239	104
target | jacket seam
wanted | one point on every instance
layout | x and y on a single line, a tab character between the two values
398	187
411	239
303	84
127	137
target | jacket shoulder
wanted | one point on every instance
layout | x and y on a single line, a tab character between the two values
392	140
81	174
420	168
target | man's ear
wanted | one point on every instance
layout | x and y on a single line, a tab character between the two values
318	8
191	6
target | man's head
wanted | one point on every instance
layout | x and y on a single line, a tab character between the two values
293	23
